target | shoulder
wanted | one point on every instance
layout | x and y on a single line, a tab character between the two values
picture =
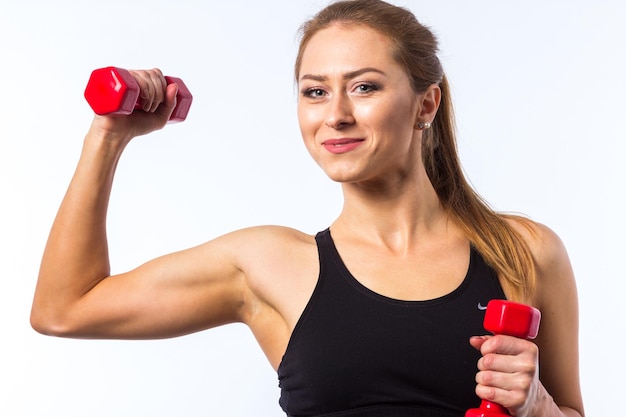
278	263
244	248
545	245
267	240
550	257
255	250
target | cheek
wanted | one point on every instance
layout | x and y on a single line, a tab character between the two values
392	118
310	119
307	128
304	120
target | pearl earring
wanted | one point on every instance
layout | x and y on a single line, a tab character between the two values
423	125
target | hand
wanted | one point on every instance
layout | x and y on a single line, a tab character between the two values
157	100
508	372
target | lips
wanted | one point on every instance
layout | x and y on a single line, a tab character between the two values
341	145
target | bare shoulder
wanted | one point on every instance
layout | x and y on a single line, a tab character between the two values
280	265
545	245
552	263
271	234
262	244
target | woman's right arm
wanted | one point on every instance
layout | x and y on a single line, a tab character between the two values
75	295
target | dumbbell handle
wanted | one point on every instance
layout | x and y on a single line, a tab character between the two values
113	90
512	319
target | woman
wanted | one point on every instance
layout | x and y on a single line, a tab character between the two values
379	314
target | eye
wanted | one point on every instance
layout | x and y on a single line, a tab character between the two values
314	92
365	88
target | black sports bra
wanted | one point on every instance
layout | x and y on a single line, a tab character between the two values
355	352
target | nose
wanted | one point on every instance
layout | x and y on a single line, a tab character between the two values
340	112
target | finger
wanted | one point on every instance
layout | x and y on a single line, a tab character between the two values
478	341
505	345
524	363
508	390
494	394
151	85
158	81
168	106
146	89
505	381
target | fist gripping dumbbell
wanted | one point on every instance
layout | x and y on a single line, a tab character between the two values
113	90
511	319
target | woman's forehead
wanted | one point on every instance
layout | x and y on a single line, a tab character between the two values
343	47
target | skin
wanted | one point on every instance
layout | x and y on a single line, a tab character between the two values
391	225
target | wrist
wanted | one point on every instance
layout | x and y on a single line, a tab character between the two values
100	138
544	404
100	154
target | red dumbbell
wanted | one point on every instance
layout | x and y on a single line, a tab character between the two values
511	319
113	90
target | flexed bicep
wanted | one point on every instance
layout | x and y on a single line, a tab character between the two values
172	295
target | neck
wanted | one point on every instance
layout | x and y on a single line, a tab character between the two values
395	214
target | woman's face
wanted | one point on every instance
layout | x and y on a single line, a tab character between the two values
356	108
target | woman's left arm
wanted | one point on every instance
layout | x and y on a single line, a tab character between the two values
557	298
538	378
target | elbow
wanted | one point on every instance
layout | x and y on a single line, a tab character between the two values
51	316
41	325
47	323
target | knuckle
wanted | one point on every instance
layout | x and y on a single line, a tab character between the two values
528	364
516	399
488	378
525	384
529	367
489	393
498	342
494	344
534	350
488	361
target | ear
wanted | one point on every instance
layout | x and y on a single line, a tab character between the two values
428	105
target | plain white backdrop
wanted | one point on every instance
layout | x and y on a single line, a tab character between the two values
539	92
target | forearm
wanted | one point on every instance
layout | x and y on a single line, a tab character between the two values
553	410
76	255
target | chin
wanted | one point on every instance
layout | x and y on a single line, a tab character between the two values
344	172
344	177
336	173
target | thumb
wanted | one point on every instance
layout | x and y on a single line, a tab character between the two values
168	107
477	341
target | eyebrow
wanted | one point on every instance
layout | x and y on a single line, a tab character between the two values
346	76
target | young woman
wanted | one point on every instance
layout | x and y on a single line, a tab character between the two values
377	315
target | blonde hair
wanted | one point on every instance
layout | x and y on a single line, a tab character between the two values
415	48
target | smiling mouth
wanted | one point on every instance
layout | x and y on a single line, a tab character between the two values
342	145
341	142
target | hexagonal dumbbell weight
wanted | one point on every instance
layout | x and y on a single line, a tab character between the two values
113	90
512	319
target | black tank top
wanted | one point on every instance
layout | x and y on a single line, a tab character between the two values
355	352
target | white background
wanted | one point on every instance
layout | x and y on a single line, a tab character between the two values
539	92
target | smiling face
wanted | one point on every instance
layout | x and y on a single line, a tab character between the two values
356	108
